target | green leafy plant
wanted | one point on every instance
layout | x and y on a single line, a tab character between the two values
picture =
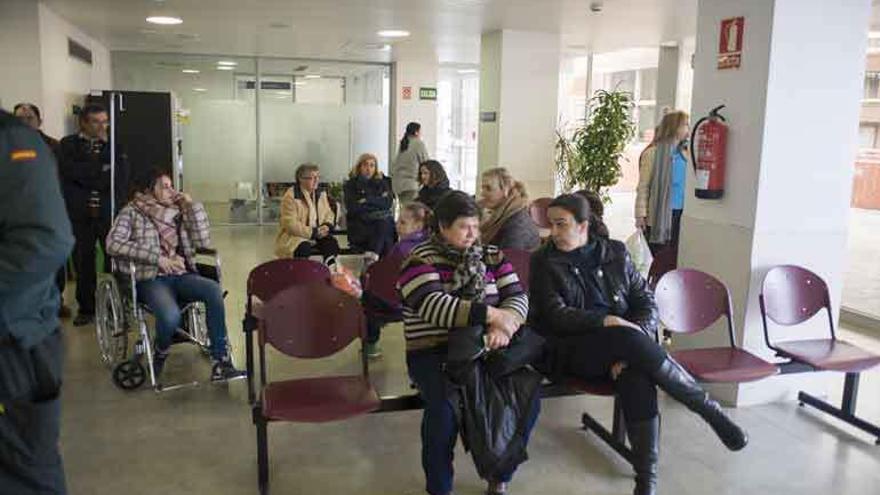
590	158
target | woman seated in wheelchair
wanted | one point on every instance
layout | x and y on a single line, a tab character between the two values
159	231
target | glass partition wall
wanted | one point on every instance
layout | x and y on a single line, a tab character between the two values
247	123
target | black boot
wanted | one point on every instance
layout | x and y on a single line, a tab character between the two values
678	383
644	437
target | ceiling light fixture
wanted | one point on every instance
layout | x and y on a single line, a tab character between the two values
164	20
312	76
228	63
467	71
190	71
393	33
225	67
199	90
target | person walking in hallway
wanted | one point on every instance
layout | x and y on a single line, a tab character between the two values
405	170
36	240
86	179
660	192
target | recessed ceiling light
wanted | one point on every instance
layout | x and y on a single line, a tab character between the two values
228	63
283	93
467	71
312	76
164	20
225	67
299	83
393	33
190	71
199	90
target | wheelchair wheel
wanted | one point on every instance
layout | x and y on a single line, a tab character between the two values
110	323
129	375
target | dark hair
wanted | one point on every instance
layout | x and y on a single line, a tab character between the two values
411	129
32	107
454	205
146	179
597	210
438	173
579	207
91	109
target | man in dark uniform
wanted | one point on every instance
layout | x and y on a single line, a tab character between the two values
85	178
30	115
35	239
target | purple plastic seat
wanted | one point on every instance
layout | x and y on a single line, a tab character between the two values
690	301
520	260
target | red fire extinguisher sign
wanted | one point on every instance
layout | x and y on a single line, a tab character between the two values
730	43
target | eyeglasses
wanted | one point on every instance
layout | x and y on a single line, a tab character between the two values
310	177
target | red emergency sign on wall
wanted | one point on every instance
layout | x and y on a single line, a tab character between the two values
407	92
731	43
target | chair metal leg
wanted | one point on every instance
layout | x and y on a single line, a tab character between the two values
249	360
847	410
616	439
262	452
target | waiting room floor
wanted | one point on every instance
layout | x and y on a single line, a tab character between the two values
202	441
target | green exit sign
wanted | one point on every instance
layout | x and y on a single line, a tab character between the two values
427	93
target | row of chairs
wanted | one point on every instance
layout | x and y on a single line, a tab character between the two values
292	307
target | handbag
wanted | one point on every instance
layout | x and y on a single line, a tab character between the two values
466	344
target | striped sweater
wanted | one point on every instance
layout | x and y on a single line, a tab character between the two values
430	311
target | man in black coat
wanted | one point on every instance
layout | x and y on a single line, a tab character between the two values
86	180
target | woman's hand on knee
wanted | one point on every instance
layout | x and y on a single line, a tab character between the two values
616	369
616	321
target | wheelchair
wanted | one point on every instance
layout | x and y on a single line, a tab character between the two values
119	318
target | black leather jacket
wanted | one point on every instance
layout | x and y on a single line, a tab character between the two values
558	292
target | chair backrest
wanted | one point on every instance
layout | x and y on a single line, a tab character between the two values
538	211
520	259
791	295
665	260
272	277
312	320
690	301
380	280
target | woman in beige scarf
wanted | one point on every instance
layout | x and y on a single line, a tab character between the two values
508	224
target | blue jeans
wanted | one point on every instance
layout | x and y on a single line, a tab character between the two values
165	295
439	423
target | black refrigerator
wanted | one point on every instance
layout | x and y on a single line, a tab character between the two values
143	123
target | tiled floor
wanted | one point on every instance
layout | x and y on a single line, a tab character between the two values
201	440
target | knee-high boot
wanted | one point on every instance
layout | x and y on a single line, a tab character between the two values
644	438
678	383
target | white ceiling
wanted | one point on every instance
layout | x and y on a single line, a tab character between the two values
339	29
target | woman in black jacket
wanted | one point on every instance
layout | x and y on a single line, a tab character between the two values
600	320
435	184
368	201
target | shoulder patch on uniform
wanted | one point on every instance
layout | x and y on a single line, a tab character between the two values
22	155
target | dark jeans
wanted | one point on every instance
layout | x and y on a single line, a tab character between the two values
30	462
589	357
327	247
378	313
87	233
61	281
166	294
673	241
439	422
377	236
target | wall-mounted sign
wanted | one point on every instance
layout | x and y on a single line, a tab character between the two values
488	116
730	43
407	93
427	93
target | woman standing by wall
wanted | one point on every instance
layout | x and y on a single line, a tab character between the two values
405	171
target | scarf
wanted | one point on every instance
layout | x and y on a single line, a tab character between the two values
499	216
659	194
469	277
165	220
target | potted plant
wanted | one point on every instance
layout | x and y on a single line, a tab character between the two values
590	158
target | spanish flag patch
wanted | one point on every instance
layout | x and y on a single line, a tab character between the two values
22	155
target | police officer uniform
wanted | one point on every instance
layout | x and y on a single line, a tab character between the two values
85	176
35	240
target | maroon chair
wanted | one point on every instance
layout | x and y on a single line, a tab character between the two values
310	321
665	261
380	280
263	283
538	211
521	262
791	295
690	301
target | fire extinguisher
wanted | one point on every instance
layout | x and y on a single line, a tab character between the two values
709	154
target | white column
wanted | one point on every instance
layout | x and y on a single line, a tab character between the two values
793	111
519	83
667	80
21	77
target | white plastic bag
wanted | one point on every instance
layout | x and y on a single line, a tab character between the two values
640	253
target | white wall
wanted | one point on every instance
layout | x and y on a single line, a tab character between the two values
20	79
415	72
64	79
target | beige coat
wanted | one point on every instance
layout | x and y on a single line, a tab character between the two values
295	226
643	190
